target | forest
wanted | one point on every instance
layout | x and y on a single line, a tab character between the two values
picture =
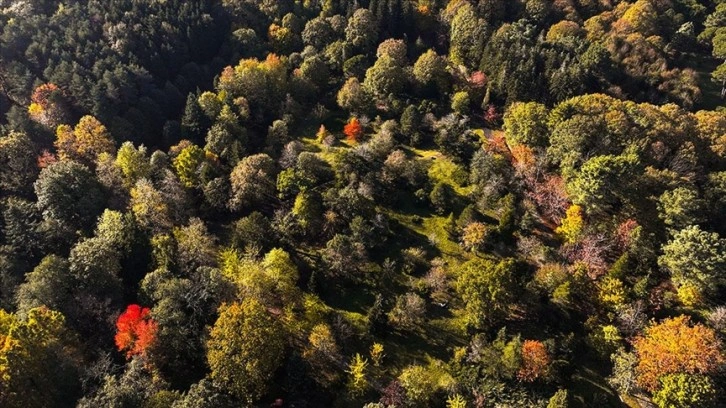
363	203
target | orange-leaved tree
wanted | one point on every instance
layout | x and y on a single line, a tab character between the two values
674	346
135	330
353	130
535	361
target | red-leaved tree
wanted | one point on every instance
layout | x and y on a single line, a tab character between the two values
535	361
135	330
353	130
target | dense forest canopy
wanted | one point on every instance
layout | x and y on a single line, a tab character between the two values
369	203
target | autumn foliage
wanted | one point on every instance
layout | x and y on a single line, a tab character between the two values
46	105
535	361
135	330
353	130
675	346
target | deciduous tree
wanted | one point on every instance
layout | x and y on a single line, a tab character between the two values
245	348
135	330
675	346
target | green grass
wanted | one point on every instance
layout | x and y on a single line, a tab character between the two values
444	170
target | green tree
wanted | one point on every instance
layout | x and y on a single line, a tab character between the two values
194	123
429	71
487	289
442	197
599	184
36	361
18	167
685	391
385	77
245	348
362	31
559	400
69	193
460	102
696	257
467	37
187	165
526	123
420	384
680	207
623	377
133	163
48	284
353	97
318	32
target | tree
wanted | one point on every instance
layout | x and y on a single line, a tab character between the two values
623	378
475	236
133	163
353	97
195	246
564	30
85	142
204	394
675	346
396	49
467	37
419	383
377	354
384	78
680	207
18	167
353	130
571	227
455	401
343	256
95	264
252	231
48	106
322	347
245	348
187	165
460	102
536	361
47	285
149	207
486	288
253	181
430	70
684	391
132	388
135	330
695	257
442	197
357	383
194	123
598	186
36	363
69	193
318	32
526	123
409	311
362	31
559	400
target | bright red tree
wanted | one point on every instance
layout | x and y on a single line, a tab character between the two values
135	330
353	130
